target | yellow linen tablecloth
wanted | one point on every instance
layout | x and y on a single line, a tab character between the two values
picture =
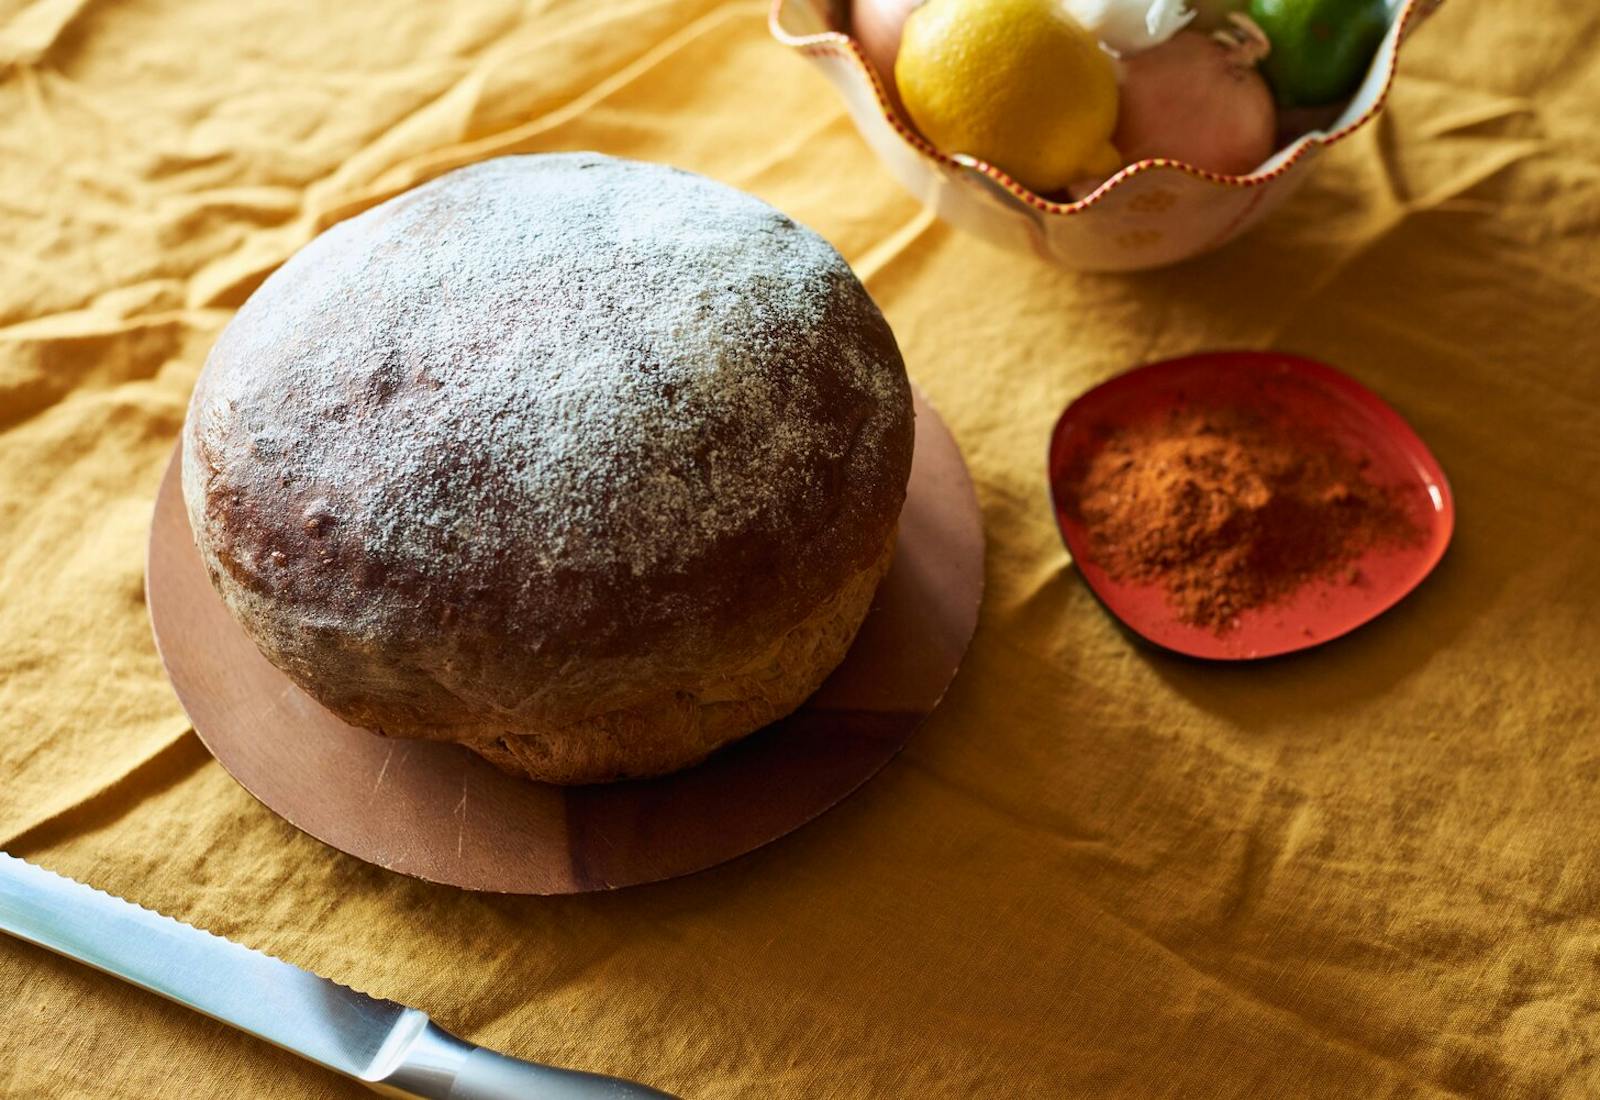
1369	871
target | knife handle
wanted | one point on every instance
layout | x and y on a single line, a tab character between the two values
488	1075
437	1065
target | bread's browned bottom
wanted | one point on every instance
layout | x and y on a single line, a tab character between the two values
676	728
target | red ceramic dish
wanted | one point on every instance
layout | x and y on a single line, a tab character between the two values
1305	393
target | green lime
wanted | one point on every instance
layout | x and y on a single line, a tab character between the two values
1320	48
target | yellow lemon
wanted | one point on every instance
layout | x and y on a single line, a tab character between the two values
1017	83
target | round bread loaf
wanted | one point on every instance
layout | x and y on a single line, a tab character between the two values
588	464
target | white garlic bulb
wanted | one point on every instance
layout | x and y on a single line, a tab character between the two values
1128	26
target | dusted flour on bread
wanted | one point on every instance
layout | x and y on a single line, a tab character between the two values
567	409
631	420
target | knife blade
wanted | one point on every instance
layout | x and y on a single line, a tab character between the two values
391	1048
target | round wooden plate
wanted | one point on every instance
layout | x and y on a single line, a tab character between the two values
441	813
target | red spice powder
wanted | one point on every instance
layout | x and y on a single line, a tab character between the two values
1231	513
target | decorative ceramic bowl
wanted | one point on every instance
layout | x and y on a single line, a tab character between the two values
1153	212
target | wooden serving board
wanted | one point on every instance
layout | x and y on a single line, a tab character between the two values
441	813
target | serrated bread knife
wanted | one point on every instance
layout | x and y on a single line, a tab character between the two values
391	1048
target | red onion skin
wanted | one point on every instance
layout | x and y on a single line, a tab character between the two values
1193	99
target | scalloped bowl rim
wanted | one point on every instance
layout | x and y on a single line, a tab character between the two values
838	42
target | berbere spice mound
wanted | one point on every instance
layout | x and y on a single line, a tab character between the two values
1231	512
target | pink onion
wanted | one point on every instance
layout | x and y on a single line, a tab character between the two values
876	24
1198	99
